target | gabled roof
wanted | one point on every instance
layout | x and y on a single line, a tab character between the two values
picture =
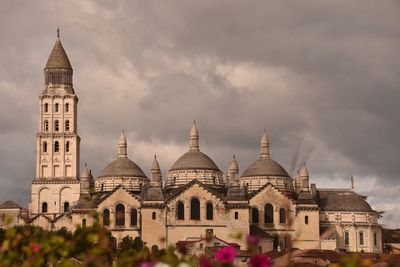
180	190
287	194
9	204
108	194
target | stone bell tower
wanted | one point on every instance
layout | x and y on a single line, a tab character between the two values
56	185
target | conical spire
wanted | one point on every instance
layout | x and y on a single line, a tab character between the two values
86	180
58	58
304	178
58	69
155	172
194	138
85	172
122	146
304	171
233	171
233	166
264	145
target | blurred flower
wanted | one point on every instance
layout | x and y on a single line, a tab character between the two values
147	264
204	262
226	255
260	261
35	247
252	240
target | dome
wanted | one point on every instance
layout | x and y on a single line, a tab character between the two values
194	160
122	167
338	200
265	167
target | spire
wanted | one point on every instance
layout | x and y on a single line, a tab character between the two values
86	180
194	138
304	178
122	146
304	171
264	145
233	171
155	172
58	69
85	172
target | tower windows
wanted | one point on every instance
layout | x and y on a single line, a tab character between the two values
236	215
46	126
180	211
153	215
56	125
46	107
44	149
44	207
361	239
282	216
346	239
67	125
66	207
120	215
209	211
56	107
67	145
134	217
306	219
106	217
56	146
268	213
195	209
254	215
67	107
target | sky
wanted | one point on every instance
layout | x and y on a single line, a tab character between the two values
322	77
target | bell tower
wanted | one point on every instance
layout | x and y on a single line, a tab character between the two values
57	141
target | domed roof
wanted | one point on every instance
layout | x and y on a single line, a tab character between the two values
338	200
265	167
122	167
194	160
58	59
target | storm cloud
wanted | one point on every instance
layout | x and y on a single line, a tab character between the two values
321	76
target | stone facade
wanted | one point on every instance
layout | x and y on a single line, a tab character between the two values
195	200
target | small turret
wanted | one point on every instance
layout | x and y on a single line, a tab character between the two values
194	138
86	181
264	153
298	182
233	172
122	146
155	173
304	179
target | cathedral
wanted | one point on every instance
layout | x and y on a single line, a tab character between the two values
194	201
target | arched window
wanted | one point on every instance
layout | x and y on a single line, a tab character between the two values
195	209
46	107
254	215
66	206
282	215
46	126
134	217
236	215
67	107
375	240
306	219
67	125
268	213
180	211
102	188
209	211
106	217
120	215
153	215
67	146
56	125
84	223
361	239
56	146
346	239
56	108
44	207
44	146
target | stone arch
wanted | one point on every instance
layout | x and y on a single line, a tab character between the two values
65	195
44	196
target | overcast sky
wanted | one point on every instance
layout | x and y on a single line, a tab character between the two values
322	77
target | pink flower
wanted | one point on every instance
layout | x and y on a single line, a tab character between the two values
147	264
252	240
226	255
260	261
35	247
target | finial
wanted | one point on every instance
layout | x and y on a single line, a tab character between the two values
122	145
234	156
155	156
85	165
58	32
264	145
352	182
194	138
